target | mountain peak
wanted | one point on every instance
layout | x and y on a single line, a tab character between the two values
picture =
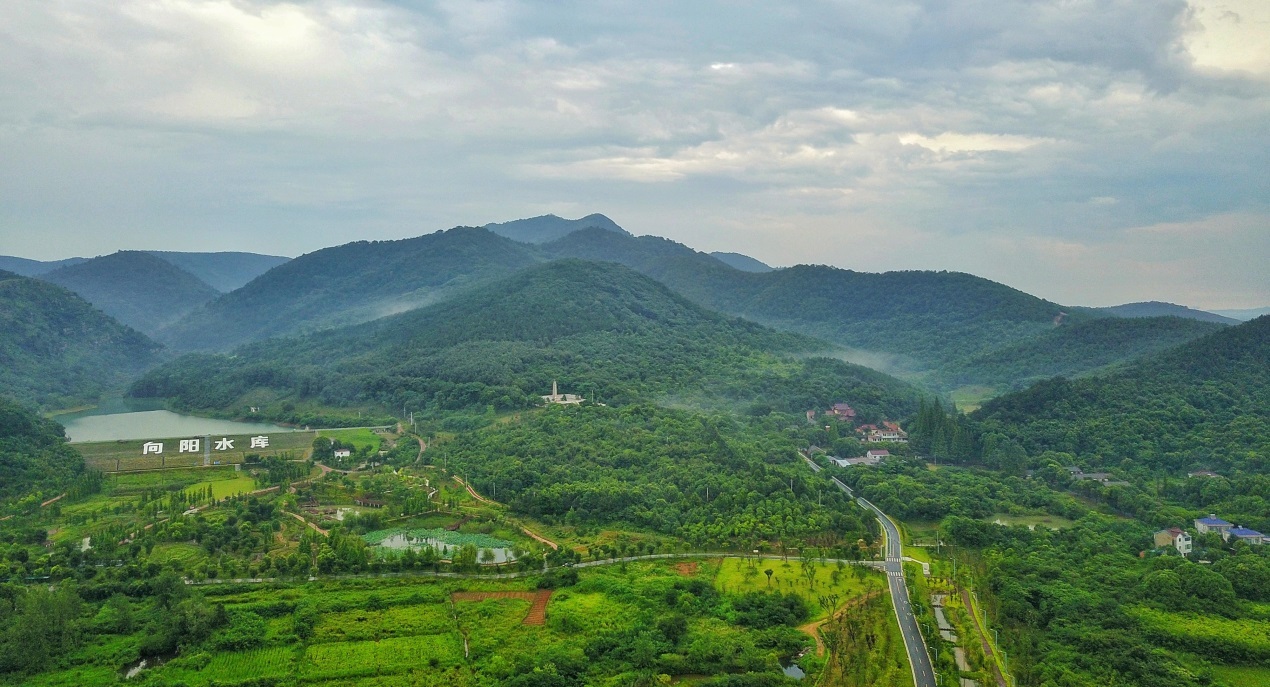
548	228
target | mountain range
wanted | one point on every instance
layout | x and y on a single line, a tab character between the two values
943	330
599	329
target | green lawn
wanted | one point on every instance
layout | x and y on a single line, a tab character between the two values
738	575
224	488
357	437
1243	676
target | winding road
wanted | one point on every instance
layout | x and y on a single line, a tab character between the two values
914	643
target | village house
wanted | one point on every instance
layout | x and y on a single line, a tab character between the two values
888	432
869	459
842	411
1244	534
343	453
1213	524
1175	537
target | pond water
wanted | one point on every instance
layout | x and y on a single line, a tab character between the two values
793	671
125	419
405	541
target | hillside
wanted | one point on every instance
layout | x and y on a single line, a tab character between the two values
34	455
348	284
923	319
741	262
1244	314
33	268
57	350
1158	309
1073	350
138	289
600	329
1205	404
222	271
550	227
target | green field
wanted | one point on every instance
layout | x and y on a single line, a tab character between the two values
360	437
1242	676
224	488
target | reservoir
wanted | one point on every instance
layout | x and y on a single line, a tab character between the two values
125	419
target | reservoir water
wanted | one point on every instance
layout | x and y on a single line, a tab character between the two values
124	419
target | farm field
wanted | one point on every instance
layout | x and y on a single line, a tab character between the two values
224	488
408	631
361	437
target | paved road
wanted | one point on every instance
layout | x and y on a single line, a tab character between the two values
914	644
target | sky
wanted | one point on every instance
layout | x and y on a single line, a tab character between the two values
1092	152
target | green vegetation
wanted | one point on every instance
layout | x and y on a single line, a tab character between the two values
349	284
602	330
710	481
35	460
57	351
1077	349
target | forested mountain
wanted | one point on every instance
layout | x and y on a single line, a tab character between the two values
34	455
138	289
1073	350
348	284
1204	404
927	318
1158	309
741	262
57	350
33	268
222	271
600	329
550	227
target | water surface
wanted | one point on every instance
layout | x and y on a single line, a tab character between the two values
118	420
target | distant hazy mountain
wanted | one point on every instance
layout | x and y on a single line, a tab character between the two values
742	262
1158	309
34	268
550	227
222	271
1204	403
1245	314
138	289
597	328
56	350
348	284
1074	350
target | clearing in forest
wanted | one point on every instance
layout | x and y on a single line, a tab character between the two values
537	611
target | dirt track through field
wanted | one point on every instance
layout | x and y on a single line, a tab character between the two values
538	602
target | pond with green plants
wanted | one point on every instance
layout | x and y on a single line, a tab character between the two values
444	541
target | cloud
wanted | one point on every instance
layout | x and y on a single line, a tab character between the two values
995	130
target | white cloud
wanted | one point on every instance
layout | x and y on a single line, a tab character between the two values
1043	126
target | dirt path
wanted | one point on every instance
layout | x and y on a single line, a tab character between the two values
813	628
55	499
538	602
983	639
312	526
475	495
